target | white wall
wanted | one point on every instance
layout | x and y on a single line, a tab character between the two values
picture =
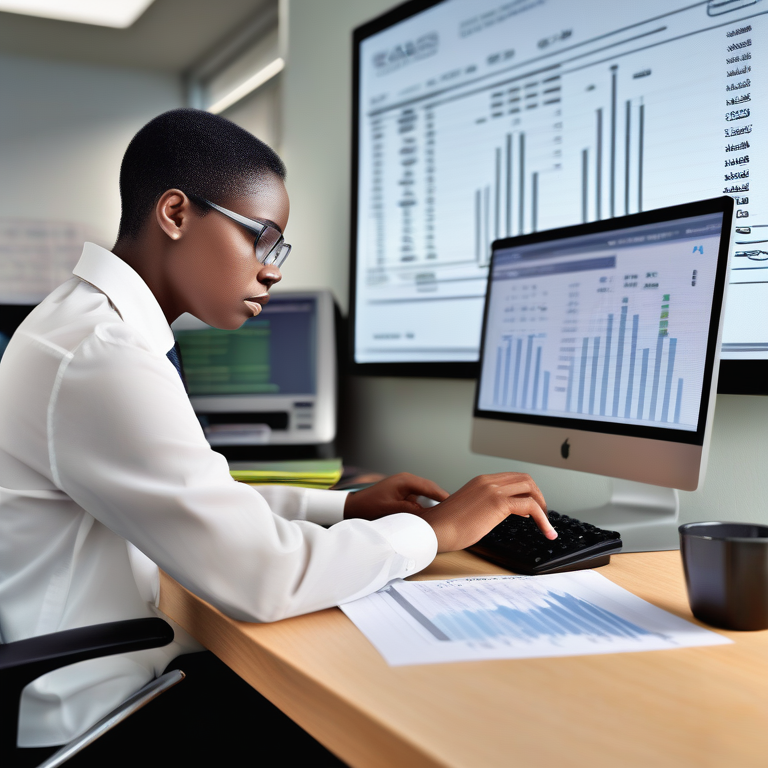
423	425
260	113
63	130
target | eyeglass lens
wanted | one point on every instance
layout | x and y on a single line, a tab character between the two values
270	248
268	239
280	254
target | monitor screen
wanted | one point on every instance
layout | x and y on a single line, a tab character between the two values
477	119
252	360
606	330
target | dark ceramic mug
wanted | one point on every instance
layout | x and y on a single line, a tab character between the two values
726	573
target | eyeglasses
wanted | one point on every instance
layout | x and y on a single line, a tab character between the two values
269	246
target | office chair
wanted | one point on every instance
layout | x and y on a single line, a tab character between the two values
23	661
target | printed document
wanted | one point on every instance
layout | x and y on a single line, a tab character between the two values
516	617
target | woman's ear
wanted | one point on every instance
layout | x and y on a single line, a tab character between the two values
173	213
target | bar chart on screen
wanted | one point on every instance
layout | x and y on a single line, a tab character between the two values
611	330
521	383
563	113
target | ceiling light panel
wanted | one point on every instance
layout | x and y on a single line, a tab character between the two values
104	13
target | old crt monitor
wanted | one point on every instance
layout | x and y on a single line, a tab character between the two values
599	353
475	120
270	382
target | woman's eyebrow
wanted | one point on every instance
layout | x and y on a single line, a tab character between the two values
272	224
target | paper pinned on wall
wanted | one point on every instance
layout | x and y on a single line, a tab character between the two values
36	256
516	617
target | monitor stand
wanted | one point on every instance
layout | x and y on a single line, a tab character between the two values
646	516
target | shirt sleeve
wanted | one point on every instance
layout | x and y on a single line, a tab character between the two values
322	507
125	444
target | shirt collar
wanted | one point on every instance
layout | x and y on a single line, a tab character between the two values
129	294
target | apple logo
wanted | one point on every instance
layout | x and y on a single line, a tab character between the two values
565	449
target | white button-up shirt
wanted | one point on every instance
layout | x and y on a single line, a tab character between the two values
105	471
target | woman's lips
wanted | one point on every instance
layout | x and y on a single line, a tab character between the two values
256	303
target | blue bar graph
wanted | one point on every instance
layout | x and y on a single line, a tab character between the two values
559	616
526	377
640	389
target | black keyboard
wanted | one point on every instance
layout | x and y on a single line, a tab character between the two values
519	545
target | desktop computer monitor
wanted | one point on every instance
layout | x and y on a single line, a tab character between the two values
272	381
475	120
599	353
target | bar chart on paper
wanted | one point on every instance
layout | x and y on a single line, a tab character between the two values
516	617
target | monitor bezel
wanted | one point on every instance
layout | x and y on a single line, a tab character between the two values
736	377
724	205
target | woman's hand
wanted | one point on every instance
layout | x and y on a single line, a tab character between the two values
394	494
461	519
479	506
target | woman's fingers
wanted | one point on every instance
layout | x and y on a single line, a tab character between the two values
413	485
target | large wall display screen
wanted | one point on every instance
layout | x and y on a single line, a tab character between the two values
482	119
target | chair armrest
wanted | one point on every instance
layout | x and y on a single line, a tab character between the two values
23	661
35	656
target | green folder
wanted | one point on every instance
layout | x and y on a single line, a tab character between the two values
309	473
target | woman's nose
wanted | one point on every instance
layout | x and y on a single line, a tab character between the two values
268	275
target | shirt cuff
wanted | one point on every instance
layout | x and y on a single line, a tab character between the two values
412	538
324	507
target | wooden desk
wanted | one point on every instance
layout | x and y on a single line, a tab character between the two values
697	707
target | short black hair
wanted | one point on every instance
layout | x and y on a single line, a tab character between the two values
194	151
